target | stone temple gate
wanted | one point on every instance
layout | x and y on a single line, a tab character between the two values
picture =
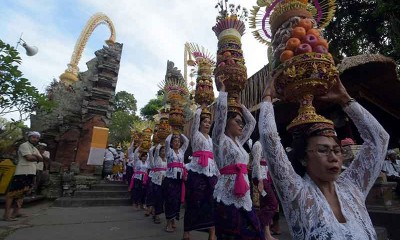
84	100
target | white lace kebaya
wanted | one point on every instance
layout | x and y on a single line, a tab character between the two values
173	157
150	160
139	166
227	152
158	163
201	143
306	208
259	170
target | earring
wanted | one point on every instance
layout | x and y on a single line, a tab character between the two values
304	163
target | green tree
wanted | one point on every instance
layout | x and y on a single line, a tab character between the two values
126	102
365	26
11	132
152	107
121	123
17	95
123	118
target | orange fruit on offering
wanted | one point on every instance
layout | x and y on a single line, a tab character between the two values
323	42
314	32
292	43
305	23
286	55
298	32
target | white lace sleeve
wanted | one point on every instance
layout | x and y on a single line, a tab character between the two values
287	182
136	156
219	125
256	153
249	127
151	157
366	166
196	123
168	144
185	143
157	153
130	151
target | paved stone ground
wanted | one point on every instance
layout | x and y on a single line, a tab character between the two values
98	223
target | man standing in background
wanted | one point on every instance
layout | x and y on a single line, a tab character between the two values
41	166
25	172
109	157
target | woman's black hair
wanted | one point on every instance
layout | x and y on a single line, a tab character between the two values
143	153
176	136
162	147
202	117
232	115
298	153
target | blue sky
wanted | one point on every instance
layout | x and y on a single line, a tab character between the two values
152	31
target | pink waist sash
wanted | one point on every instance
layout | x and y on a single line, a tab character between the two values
184	175
132	183
263	163
203	157
159	169
241	186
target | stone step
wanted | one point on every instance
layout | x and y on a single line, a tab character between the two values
109	187
91	202
100	194
110	182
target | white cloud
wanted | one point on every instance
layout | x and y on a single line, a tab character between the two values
152	33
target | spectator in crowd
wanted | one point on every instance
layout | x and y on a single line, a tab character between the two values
348	155
22	182
41	166
391	168
109	157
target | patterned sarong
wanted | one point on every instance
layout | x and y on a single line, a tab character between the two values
20	185
199	213
268	204
172	195
138	192
158	199
233	223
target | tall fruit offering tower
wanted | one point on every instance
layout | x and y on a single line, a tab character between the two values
230	68
177	94
204	93
302	66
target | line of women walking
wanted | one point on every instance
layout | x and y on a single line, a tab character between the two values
320	202
214	185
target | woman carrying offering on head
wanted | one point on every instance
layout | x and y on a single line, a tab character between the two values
235	218
202	177
138	182
325	203
173	184
160	167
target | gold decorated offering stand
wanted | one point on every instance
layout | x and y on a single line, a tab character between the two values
146	140
204	93
302	66
230	66
164	129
